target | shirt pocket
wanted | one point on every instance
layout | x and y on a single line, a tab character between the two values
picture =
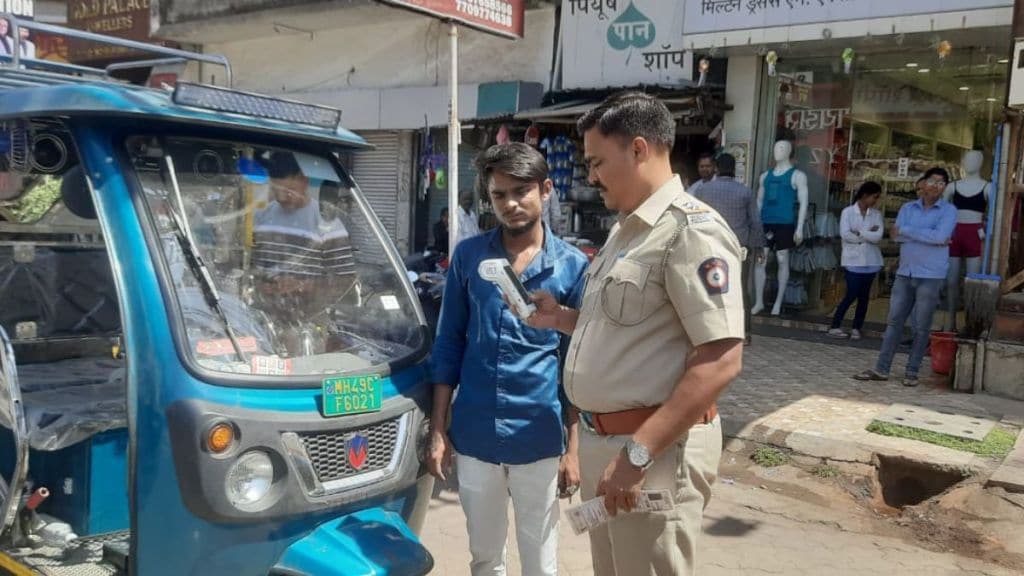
628	296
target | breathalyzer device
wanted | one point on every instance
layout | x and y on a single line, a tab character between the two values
499	272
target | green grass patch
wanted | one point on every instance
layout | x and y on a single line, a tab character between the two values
997	444
825	471
769	457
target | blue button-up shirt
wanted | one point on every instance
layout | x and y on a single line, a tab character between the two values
924	238
508	406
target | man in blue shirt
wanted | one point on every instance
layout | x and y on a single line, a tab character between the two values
923	229
507	426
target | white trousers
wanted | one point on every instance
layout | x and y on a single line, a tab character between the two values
484	490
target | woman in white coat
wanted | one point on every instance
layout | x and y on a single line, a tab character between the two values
861	228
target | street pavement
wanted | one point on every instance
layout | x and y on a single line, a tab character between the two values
797	392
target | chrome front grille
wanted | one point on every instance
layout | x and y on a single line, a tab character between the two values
328	451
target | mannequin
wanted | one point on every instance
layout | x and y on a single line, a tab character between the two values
970	195
779	189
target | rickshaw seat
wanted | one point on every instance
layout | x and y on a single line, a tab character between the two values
69	401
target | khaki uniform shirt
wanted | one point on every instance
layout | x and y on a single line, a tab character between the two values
666	281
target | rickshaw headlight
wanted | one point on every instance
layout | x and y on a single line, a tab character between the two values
249	480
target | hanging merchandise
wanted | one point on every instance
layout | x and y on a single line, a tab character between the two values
945	48
440	180
848	55
771	58
503	137
796	293
705	65
532	135
825	257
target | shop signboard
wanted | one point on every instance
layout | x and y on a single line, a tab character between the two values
501	17
704	16
615	43
128	19
20	8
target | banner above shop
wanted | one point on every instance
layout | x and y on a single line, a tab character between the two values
616	43
20	8
501	17
127	19
703	16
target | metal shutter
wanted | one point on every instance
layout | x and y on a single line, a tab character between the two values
384	175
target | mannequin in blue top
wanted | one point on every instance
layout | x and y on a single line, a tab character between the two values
781	188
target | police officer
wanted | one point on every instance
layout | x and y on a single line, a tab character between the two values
658	337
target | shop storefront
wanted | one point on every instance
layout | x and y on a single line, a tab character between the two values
886	113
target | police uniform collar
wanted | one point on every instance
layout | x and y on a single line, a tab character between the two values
652	208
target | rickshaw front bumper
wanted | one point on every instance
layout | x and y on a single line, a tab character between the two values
371	542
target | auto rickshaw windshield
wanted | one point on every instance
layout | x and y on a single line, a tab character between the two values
275	264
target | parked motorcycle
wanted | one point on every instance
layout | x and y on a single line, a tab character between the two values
428	270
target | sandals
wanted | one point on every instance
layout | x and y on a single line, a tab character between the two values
870	375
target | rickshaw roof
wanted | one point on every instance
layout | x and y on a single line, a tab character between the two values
32	93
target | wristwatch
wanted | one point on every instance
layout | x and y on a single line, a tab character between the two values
637	454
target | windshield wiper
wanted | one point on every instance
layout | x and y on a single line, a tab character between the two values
195	259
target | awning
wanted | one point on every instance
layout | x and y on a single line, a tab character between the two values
569	111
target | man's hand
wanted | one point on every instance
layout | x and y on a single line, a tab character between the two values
549	311
620	485
568	475
439	456
875	228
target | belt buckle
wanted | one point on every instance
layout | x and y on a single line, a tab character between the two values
587	419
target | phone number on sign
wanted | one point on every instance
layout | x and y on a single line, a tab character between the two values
492	10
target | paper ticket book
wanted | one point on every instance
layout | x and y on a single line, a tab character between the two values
592	513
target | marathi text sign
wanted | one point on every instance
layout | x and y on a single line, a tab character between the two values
501	17
613	43
703	16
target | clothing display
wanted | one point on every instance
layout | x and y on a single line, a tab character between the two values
779	236
976	202
966	242
779	198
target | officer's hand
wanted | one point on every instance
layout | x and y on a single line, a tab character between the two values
620	485
548	310
568	475
439	456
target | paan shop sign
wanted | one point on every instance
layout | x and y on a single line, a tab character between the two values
22	8
623	43
128	19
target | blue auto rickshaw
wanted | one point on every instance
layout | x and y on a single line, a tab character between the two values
211	358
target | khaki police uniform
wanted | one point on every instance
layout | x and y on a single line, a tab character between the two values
666	281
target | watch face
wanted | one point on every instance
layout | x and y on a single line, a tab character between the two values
638	454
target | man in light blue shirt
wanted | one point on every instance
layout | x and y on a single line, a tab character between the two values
923	228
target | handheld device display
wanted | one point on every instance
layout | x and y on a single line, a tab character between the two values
499	271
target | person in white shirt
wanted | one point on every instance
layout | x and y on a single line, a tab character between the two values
861	228
469	221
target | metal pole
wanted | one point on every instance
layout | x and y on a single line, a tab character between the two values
453	141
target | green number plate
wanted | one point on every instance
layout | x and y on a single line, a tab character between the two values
352	395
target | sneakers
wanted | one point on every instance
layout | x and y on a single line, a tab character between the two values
910	381
871	375
855	334
838	333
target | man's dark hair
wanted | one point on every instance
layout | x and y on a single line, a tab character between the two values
516	159
280	164
726	165
936	171
630	115
868	188
706	156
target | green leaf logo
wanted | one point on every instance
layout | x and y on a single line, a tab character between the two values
631	29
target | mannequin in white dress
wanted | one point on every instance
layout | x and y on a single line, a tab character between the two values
780	188
970	195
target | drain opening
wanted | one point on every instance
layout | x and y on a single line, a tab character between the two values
907	483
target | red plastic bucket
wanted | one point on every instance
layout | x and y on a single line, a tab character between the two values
943	350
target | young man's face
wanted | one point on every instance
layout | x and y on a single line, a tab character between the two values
613	166
290	192
932	189
517	204
706	169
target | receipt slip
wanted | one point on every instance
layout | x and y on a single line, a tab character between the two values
592	513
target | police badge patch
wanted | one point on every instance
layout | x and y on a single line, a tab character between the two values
714	273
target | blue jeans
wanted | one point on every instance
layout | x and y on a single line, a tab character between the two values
858	288
919	296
